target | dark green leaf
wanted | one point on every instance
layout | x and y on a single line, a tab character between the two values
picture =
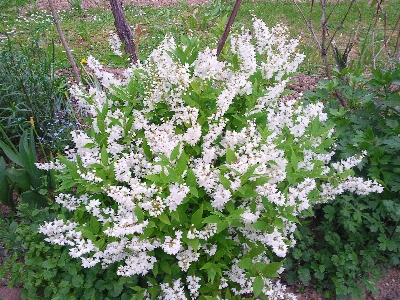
304	275
165	266
4	187
35	199
11	154
20	177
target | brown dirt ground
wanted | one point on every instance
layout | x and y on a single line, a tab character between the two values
388	286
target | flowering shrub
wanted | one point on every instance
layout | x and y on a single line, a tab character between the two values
194	172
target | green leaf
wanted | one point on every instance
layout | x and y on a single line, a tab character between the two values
346	173
99	243
207	266
175	214
4	187
245	263
35	199
164	218
139	213
294	160
175	152
211	274
70	164
194	243
104	156
77	281
197	217
146	149
154	178
271	269
20	177
260	225
230	156
278	222
147	232
247	191
67	184
256	251
258	286
261	181
194	191
224	181
165	266
221	225
212	219
249	173
181	165
304	275
191	178
369	135
86	233
94	225
196	87
11	154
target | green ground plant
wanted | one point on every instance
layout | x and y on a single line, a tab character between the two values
347	246
21	178
31	92
48	271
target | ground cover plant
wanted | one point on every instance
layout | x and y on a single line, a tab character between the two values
355	237
194	221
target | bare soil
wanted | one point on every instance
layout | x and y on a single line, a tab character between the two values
388	286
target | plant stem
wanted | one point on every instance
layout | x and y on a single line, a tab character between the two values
75	69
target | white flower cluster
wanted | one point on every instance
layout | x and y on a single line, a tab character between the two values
139	160
115	43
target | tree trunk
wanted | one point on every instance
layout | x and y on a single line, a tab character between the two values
123	30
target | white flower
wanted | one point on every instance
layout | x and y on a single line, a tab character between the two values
172	246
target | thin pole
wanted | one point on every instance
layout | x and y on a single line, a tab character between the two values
228	26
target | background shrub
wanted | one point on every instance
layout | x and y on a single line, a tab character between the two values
352	238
